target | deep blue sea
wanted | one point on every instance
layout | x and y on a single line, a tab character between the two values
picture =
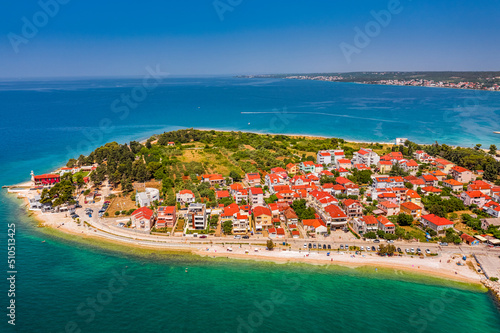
43	123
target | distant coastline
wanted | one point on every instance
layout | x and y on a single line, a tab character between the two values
487	81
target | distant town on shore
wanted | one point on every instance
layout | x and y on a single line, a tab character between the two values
457	80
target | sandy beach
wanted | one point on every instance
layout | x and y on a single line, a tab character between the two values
443	266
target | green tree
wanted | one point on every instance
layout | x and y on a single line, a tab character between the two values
236	176
493	150
227	227
370	235
404	219
270	244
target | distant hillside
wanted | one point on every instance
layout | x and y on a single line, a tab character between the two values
465	80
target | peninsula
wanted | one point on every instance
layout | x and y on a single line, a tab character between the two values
432	209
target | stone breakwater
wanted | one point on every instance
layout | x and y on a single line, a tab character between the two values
494	287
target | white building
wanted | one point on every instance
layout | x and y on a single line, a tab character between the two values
401	141
145	199
185	196
197	216
324	157
365	156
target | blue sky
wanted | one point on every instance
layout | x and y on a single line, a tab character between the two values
108	38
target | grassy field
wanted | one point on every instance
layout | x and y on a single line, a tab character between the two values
120	204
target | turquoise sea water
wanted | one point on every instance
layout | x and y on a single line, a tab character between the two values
44	123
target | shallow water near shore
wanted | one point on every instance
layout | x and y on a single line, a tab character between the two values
58	276
58	279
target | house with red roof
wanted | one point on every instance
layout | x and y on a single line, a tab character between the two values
344	163
393	157
413	196
290	216
315	225
343	172
411	209
384	166
252	179
272	179
295	234
440	175
468	239
474	197
352	208
364	224
444	165
185	197
385	225
333	216
292	168
214	179
461	174
166	217
324	157
436	223
241	224
222	194
287	196
388	208
307	167
142	219
422	156
430	180
385	182
256	196
453	185
492	208
365	156
45	180
409	165
262	218
279	171
480	185
240	195
430	189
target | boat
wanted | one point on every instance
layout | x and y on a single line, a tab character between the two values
496	132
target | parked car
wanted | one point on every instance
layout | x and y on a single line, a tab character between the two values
407	250
443	244
412	250
376	241
373	248
428	251
237	237
368	248
390	241
341	246
362	248
203	236
399	249
347	247
418	250
246	237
